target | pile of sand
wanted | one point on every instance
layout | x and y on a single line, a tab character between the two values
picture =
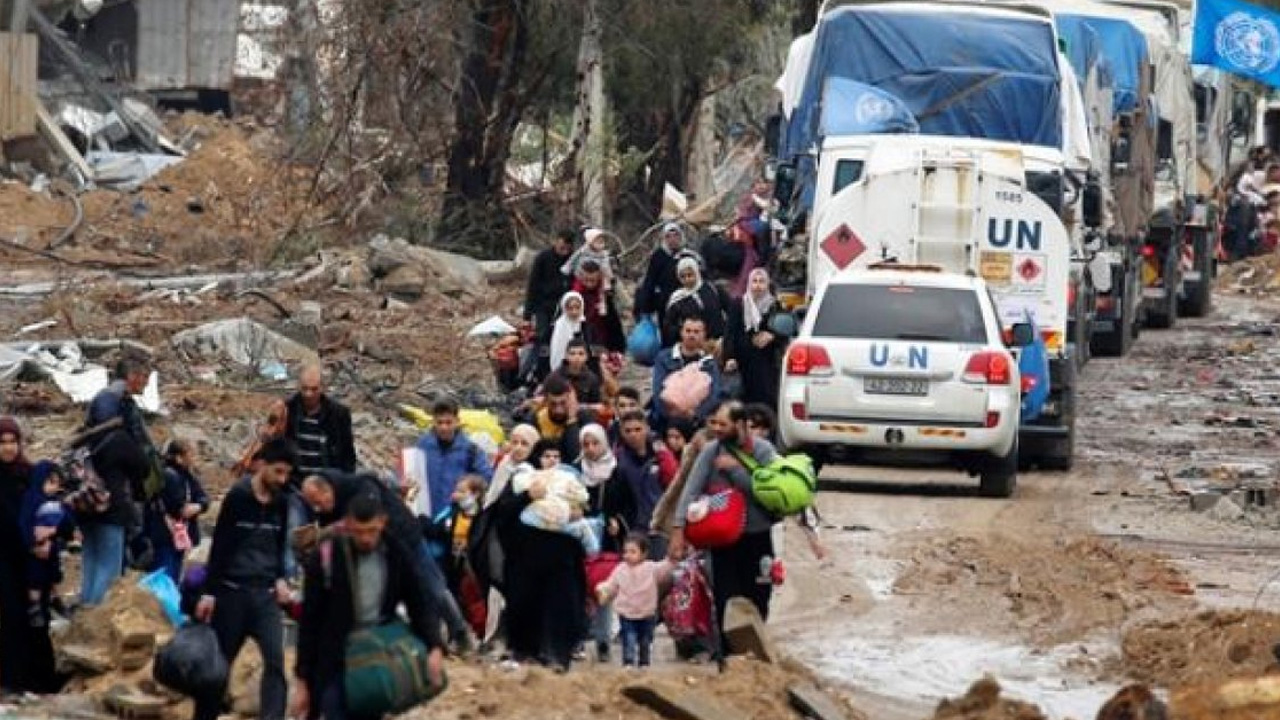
1057	590
1205	648
983	702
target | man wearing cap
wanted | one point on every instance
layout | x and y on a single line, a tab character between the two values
660	279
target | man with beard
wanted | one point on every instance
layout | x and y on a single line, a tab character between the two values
560	420
691	350
245	581
744	568
329	495
602	325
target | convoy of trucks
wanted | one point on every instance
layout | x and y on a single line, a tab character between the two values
1064	152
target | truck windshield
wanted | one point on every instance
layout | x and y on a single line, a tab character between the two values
896	312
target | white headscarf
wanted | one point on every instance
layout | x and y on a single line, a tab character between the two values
565	329
510	465
754	309
682	292
596	472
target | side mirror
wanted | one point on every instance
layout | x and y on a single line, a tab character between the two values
1023	335
784	183
1091	205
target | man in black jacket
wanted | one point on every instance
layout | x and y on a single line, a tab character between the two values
547	284
357	582
319	427
245	578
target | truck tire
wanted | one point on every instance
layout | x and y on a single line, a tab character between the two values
1164	315
1059	454
1199	298
999	475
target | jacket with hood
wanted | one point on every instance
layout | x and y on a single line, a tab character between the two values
447	464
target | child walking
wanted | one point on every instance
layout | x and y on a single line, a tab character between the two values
47	524
633	590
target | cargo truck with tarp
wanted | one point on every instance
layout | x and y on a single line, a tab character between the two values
948	134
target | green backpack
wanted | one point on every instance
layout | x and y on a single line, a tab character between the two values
783	487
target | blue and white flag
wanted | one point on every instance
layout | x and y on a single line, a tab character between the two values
1238	37
853	108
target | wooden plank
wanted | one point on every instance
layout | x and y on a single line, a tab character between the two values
678	704
814	703
53	133
18	58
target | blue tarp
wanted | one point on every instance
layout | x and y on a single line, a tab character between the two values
976	75
1123	46
1084	50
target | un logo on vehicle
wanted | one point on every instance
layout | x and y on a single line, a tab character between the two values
872	109
1247	42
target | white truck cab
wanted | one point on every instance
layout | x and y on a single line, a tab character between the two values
908	361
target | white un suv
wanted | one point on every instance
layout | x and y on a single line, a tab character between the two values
906	361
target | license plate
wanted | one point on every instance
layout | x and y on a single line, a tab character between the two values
896	386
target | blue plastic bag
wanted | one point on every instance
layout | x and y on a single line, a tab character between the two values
165	590
1033	365
644	343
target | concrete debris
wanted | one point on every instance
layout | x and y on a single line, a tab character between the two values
1226	510
65	365
405	269
127	171
244	341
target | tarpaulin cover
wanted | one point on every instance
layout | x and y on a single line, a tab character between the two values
1084	50
1123	46
981	75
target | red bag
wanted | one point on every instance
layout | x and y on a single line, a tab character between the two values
717	519
599	568
686	610
475	607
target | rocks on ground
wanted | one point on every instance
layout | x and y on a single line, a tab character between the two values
983	702
1208	647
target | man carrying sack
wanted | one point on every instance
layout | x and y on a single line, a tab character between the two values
356	659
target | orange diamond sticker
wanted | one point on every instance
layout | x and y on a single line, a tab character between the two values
843	246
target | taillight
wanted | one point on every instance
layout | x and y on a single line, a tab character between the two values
993	419
1148	251
799	411
1028	383
988	368
1071	295
808	359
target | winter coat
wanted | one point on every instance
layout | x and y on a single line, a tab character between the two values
759	368
181	487
546	285
706	305
335	420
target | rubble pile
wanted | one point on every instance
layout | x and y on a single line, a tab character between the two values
1057	590
228	204
1209	647
983	702
1257	276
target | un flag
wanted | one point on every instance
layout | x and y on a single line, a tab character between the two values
1239	38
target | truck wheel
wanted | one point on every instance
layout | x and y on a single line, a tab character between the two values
1199	298
1060	454
1000	474
1116	342
1165	315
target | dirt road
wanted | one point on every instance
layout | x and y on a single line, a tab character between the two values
928	586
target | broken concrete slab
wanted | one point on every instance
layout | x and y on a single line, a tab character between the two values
814	703
449	272
244	341
676	703
406	283
1226	510
744	631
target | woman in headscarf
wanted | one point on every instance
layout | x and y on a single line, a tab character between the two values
750	348
15	631
694	298
612	501
519	451
569	325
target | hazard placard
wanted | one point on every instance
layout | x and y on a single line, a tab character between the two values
996	267
843	246
1029	272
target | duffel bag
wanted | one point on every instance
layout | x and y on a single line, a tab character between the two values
387	671
192	662
783	487
717	519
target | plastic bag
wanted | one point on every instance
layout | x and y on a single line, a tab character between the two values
644	342
192	662
684	390
165	590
